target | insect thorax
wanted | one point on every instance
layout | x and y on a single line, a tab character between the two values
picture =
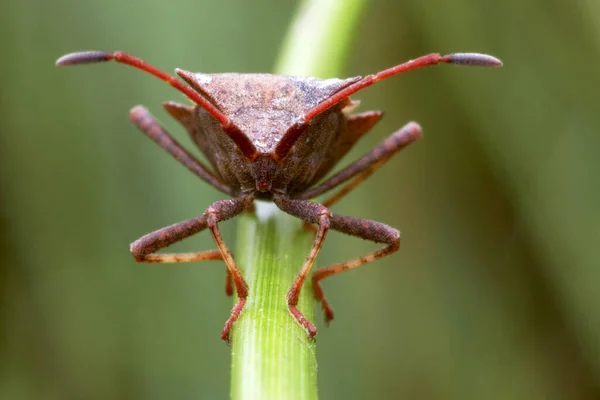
264	107
293	173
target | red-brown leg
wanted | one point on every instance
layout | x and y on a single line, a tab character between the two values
144	248
147	124
364	229
221	211
317	214
364	167
367	164
357	180
228	284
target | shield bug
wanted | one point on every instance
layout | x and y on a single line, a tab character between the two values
273	137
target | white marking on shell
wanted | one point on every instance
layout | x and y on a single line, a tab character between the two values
280	101
327	82
260	143
203	79
316	82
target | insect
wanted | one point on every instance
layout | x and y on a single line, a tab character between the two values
273	137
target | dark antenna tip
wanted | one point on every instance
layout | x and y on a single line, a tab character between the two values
84	57
474	60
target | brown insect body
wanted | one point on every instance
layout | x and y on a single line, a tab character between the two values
265	107
273	137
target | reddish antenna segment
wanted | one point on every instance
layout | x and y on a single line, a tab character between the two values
468	59
91	57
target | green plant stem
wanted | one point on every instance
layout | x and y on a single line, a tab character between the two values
272	357
319	38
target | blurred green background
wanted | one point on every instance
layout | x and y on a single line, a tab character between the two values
494	294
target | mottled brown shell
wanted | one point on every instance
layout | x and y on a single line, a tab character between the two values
265	107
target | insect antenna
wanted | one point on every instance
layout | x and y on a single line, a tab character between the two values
91	57
468	59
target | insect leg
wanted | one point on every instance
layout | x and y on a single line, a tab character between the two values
362	228
221	211
313	213
144	248
357	180
367	164
147	124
